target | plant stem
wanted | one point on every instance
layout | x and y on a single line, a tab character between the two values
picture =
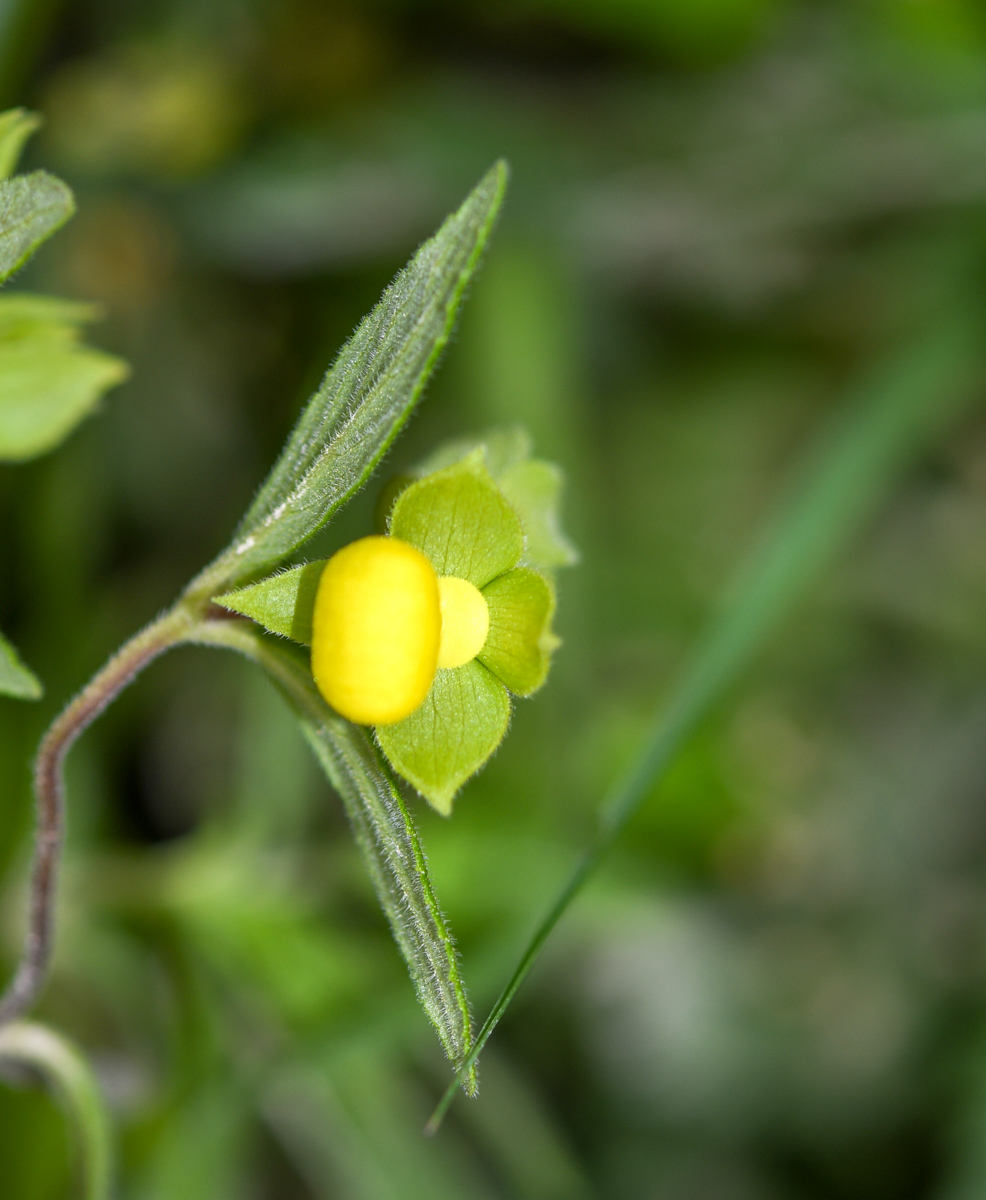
39	1049
166	631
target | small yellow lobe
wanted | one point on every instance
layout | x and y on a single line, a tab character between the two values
465	621
375	630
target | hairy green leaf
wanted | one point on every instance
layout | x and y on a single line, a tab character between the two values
445	741
67	1073
366	396
520	641
16	126
49	381
32	207
282	603
384	831
460	521
15	678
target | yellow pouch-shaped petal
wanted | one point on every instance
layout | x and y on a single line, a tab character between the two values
375	630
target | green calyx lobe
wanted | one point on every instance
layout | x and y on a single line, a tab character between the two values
486	512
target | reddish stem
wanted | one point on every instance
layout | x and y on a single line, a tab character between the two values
49	792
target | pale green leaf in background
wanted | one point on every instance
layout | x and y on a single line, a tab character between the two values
520	643
445	741
366	396
49	381
16	126
15	678
283	603
32	207
459	520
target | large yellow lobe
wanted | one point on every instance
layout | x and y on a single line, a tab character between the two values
375	630
383	623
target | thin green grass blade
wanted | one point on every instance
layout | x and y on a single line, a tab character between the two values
892	414
39	1049
366	396
384	831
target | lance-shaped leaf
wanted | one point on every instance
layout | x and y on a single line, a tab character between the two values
366	396
15	678
384	831
32	207
49	380
445	741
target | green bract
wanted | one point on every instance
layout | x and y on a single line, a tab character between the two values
486	512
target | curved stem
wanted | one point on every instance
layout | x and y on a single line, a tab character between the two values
169	629
42	1050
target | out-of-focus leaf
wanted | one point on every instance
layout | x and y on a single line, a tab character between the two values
32	207
201	1148
520	642
384	832
282	603
48	380
16	126
37	1048
445	741
459	520
15	678
366	396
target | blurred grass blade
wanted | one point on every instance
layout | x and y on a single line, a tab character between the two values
366	396
16	126
893	413
25	1045
32	207
384	831
15	678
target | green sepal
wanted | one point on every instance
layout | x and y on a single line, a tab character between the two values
532	486
445	741
501	447
460	521
283	603
15	678
16	126
49	381
32	207
520	641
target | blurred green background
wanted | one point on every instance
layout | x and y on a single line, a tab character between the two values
721	212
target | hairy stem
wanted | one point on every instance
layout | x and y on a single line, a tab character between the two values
168	630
